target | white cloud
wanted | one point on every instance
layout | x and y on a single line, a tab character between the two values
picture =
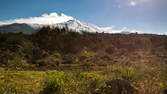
54	18
138	2
132	3
165	33
46	19
124	29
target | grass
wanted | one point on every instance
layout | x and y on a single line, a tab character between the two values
47	82
58	82
150	81
20	82
124	72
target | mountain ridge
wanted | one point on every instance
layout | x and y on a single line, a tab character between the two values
54	20
74	24
16	28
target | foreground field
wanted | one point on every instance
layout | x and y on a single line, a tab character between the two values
144	81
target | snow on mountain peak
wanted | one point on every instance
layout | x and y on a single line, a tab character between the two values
55	20
45	19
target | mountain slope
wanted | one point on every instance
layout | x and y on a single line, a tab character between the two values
15	28
74	25
54	20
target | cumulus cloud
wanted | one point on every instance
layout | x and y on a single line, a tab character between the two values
46	19
121	30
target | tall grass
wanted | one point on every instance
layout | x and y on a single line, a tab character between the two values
57	82
54	82
151	81
124	72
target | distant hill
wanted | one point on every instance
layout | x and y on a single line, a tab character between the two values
16	28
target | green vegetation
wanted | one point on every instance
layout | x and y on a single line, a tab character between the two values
61	61
81	82
124	72
57	82
20	82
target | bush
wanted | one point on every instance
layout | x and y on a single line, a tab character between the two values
17	63
13	60
50	61
127	73
54	82
85	82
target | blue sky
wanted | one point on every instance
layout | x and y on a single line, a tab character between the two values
144	15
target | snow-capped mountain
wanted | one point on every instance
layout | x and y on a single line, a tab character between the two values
54	20
79	26
72	24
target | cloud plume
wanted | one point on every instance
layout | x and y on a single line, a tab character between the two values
124	29
46	19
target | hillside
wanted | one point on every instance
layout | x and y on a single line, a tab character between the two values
25	25
53	47
82	63
17	28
